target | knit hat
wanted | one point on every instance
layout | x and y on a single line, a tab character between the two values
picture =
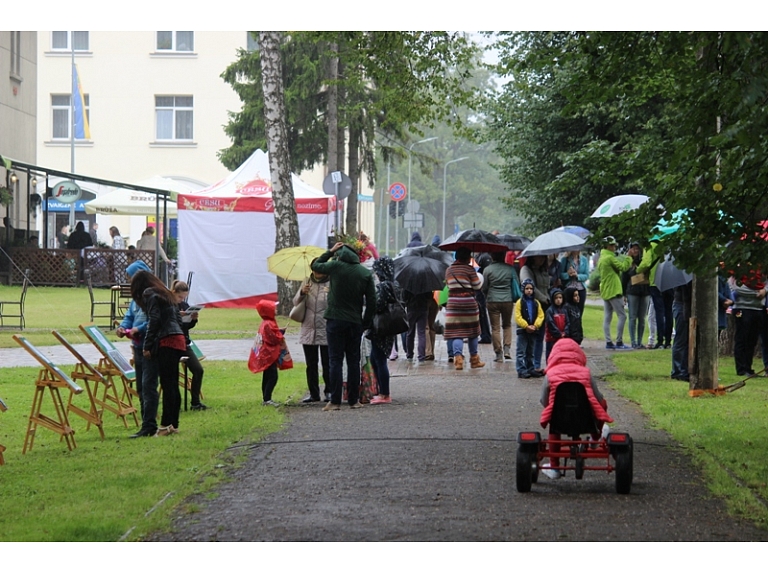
527	281
136	266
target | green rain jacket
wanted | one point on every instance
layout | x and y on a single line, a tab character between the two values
352	288
611	267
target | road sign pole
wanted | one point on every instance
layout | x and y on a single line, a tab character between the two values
336	185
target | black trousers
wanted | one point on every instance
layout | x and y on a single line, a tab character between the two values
749	324
313	381
268	382
194	367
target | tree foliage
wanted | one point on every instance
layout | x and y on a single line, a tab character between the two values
677	116
390	82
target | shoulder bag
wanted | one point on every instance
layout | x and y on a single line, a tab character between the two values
392	320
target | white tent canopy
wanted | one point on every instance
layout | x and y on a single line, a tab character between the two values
227	231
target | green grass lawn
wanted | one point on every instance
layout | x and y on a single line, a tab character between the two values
64	308
103	489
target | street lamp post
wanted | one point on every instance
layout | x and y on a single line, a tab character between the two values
409	172
445	168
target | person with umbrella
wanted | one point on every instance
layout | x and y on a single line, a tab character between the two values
314	294
500	284
386	293
610	267
462	315
681	309
574	272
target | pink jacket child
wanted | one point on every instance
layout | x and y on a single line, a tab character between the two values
270	351
568	363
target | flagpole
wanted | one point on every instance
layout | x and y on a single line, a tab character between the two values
72	127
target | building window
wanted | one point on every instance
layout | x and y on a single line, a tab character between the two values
62	121
173	115
16	55
176	41
63	41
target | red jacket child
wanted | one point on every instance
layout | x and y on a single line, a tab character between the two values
568	363
270	335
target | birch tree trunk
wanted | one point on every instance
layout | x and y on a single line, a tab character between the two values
286	222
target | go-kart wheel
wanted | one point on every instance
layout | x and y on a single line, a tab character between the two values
524	471
624	469
578	471
534	469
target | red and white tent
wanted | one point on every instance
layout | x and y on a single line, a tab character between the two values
227	231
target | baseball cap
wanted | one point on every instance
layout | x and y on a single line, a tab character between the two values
610	240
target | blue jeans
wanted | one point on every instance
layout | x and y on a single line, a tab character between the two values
380	368
662	305
149	396
638	309
344	342
680	345
538	347
526	342
458	346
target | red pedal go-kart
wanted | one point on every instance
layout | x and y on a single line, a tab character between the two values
572	418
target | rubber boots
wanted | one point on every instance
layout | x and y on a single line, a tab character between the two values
474	361
458	361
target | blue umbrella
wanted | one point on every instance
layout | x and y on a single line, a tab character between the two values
583	233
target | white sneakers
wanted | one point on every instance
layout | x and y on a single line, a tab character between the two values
549	472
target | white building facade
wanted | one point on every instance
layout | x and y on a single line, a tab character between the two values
156	105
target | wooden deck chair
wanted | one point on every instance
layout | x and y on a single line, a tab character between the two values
15	305
3	407
100	309
91	379
114	367
52	379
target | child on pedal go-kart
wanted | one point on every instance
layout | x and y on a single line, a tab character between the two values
567	363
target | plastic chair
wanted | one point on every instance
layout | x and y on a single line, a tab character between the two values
99	304
20	315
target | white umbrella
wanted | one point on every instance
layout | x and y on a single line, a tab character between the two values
619	204
553	242
123	202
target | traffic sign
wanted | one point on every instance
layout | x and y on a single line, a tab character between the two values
412	207
398	192
412	220
337	182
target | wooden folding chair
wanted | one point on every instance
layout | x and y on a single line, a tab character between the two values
184	380
4	305
3	407
86	373
52	379
109	313
113	365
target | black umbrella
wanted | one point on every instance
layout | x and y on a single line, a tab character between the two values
669	276
475	240
431	252
418	272
513	242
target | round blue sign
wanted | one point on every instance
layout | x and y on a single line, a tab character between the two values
397	192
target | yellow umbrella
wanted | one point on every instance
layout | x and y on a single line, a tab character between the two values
293	263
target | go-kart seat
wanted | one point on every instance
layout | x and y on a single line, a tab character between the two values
572	414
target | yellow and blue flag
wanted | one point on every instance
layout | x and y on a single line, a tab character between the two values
82	128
